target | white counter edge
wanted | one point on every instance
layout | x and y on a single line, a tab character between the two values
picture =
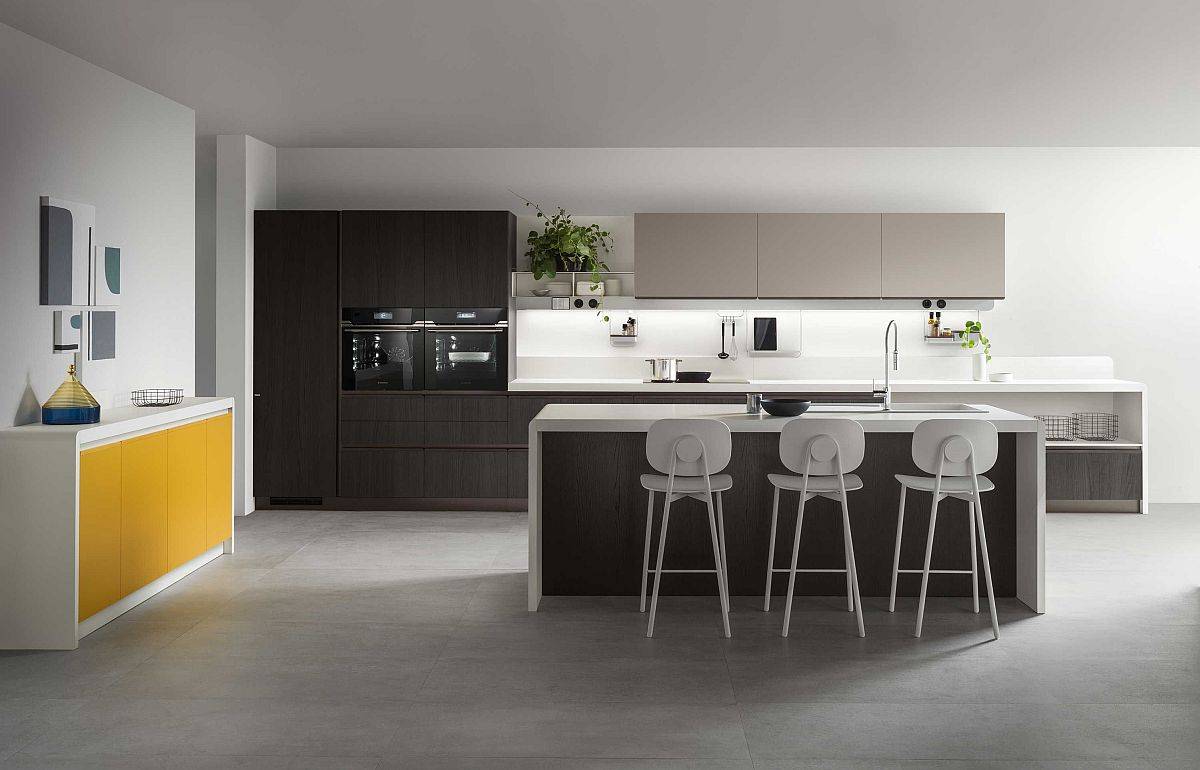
824	386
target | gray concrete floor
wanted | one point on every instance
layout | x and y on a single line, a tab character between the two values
401	640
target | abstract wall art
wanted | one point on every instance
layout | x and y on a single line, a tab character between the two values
67	327
102	335
106	276
66	249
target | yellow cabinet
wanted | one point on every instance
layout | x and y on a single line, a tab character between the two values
187	487
143	510
99	529
220	479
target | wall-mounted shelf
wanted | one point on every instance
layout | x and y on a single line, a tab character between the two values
943	340
1078	443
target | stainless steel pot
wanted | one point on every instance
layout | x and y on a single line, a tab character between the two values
664	369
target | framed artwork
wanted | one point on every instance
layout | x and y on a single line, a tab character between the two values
66	249
106	277
102	335
68	325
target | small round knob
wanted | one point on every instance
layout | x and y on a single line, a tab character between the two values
578	303
941	304
593	303
925	303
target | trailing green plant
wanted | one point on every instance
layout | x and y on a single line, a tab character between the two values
969	342
564	245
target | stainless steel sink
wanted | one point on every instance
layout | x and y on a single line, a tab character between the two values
898	408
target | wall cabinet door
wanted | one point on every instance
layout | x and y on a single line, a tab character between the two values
218	524
382	259
696	255
187	492
469	257
99	528
943	255
143	510
819	255
295	353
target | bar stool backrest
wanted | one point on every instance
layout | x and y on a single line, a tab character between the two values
955	440
694	446
821	439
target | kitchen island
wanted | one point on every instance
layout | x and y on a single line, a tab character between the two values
587	508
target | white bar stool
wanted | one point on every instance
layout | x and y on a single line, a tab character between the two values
692	452
824	452
956	452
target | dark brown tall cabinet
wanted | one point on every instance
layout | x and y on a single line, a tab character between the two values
295	353
469	256
383	259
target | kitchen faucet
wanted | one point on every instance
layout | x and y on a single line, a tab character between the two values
894	366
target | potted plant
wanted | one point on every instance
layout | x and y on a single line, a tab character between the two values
565	246
972	338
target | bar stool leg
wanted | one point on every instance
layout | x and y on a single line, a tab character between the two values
646	550
771	552
852	566
662	545
987	569
716	544
928	558
974	561
849	586
896	558
787	612
724	553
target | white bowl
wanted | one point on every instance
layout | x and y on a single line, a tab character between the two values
1002	377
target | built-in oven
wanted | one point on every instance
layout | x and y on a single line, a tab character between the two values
466	348
383	349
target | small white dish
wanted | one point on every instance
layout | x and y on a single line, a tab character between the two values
1002	377
540	292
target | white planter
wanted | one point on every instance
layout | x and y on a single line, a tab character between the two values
979	367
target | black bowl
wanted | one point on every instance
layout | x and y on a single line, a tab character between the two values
692	376
785	407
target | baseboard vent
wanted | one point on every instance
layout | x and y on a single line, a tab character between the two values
296	502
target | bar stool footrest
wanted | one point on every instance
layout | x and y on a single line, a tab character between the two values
936	571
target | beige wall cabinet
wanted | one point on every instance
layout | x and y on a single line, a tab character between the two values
819	256
695	256
943	255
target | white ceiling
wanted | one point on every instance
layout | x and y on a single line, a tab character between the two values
652	73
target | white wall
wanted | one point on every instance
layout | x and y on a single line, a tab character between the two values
245	182
1102	244
74	131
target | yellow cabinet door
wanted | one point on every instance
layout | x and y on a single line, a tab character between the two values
99	529
220	479
143	510
187	486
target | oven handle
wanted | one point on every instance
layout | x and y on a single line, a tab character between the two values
382	328
448	328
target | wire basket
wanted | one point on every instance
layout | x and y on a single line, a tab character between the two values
1059	427
1095	426
157	396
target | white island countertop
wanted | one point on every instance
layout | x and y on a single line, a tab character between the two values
637	418
717	385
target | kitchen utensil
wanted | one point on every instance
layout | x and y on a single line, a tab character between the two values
785	407
664	369
540	292
156	396
559	288
692	376
722	355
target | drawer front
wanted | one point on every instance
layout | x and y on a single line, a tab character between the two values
466	473
466	408
731	398
446	433
518	473
522	409
380	407
1093	474
390	433
380	473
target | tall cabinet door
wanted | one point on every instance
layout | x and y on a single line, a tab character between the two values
295	353
99	528
469	256
143	510
943	255
382	259
696	255
187	490
819	255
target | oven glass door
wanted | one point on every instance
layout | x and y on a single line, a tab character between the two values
382	358
466	358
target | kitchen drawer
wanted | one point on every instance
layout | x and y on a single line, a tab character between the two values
391	433
518	473
466	408
1093	474
380	472
381	407
522	409
446	433
466	473
716	398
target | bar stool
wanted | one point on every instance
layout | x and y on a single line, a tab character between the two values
692	452
956	451
824	452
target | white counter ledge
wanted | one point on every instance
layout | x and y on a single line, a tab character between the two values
824	386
